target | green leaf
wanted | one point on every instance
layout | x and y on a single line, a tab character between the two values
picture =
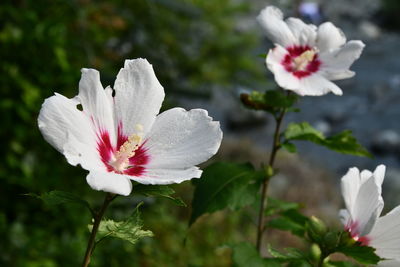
245	254
129	230
224	185
290	147
339	264
158	191
286	224
362	254
291	254
343	142
57	197
276	206
290	220
271	101
279	99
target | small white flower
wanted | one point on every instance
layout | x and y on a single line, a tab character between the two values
364	203
306	58
118	135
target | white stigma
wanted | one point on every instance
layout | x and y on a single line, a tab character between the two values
121	158
301	62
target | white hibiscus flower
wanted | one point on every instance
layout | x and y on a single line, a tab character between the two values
364	204
306	58
118	135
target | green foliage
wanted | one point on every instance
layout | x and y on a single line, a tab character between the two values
44	44
272	101
362	254
289	218
293	256
316	226
245	254
339	264
343	142
224	185
158	191
129	230
57	197
276	206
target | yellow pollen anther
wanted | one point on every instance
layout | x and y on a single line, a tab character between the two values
127	150
301	61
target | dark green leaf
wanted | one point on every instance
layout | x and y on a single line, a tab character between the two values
290	147
343	142
158	191
271	101
362	254
290	254
224	185
279	99
129	230
299	263
286	224
57	197
245	254
339	264
276	206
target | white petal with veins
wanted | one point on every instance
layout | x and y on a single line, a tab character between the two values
304	33
271	19
109	182
180	139
96	102
138	95
69	131
329	37
167	176
385	236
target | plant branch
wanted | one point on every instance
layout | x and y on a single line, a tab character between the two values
97	219
275	147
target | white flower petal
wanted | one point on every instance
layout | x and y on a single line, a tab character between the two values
138	96
284	78
167	176
109	182
180	139
329	37
316	85
365	175
350	185
303	33
271	20
385	236
69	131
336	63
379	174
345	217
96	102
389	263
367	207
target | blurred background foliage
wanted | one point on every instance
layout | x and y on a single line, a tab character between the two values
195	46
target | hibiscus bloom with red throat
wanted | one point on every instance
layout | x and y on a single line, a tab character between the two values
306	58
362	196
118	136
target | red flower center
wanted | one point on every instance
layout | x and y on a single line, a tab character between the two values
301	61
352	228
117	159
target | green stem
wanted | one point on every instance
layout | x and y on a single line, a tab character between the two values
275	147
321	260
97	219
